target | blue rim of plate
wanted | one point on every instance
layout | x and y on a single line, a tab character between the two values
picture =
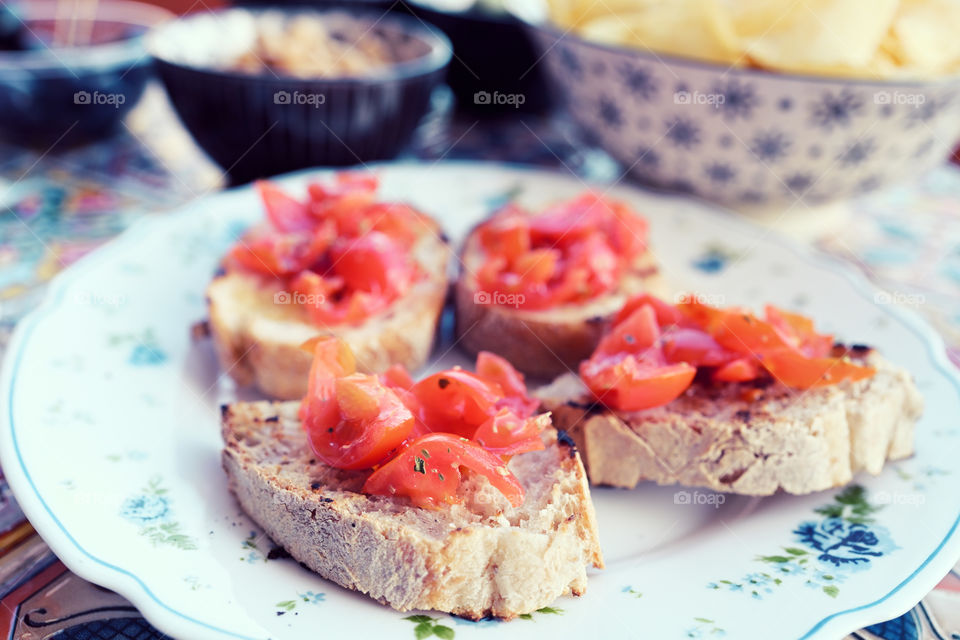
934	343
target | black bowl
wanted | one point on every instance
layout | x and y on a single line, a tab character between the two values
51	94
257	125
490	79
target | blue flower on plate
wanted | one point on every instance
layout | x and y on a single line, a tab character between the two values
146	355
844	544
145	509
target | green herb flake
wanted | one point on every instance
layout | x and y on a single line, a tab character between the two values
419	465
442	383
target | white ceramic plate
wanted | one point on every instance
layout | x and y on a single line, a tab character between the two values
110	440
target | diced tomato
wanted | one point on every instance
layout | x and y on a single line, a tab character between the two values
537	266
637	334
667	314
699	314
498	371
695	347
570	221
397	376
344	201
276	254
456	401
369	424
569	253
746	334
794	369
507	434
285	213
372	263
628	231
629	383
428	471
332	358
801	330
739	370
507	234
401	222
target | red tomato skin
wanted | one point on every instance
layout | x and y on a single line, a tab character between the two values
374	263
667	314
456	401
427	471
285	213
626	383
346	443
637	334
740	370
508	434
793	369
695	347
498	371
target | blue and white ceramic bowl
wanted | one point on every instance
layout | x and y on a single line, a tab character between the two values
749	138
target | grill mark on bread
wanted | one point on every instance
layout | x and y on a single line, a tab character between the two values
564	439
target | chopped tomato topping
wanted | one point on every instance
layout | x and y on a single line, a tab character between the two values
344	254
654	349
498	371
428	471
569	253
374	263
369	423
794	369
280	255
507	434
419	436
285	213
456	401
631	383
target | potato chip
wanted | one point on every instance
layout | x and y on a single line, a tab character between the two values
823	35
855	38
926	35
689	28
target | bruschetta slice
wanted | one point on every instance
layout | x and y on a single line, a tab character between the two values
340	263
733	402
492	518
541	288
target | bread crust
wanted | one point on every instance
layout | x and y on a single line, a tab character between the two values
258	341
543	343
791	441
486	560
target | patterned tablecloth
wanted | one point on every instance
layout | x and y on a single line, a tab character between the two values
59	205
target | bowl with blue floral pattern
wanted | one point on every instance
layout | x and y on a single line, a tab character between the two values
749	138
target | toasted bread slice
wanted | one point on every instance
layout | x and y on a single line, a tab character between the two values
257	333
475	559
543	343
790	440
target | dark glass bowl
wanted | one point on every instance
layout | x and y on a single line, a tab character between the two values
260	124
78	89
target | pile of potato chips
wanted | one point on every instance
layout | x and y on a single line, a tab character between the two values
879	39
